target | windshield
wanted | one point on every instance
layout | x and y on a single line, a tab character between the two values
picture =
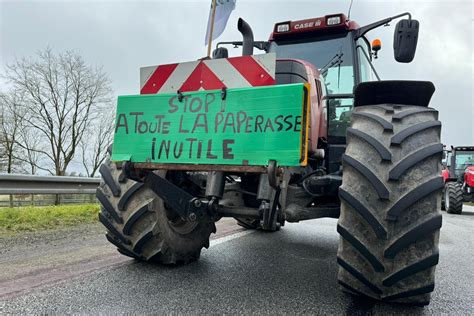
464	159
332	56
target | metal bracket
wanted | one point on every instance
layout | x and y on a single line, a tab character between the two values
270	208
180	96
273	174
131	173
224	93
269	219
187	206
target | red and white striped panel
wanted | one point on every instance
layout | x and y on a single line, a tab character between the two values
212	74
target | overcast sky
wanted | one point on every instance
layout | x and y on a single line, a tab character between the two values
122	36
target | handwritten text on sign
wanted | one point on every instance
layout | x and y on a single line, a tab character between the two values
250	126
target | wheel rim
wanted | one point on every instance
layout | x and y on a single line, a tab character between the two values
176	223
446	199
182	227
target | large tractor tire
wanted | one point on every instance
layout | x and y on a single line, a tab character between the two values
453	198
140	225
390	204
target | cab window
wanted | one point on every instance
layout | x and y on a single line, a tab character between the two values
367	72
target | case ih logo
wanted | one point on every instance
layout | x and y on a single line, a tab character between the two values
237	72
314	23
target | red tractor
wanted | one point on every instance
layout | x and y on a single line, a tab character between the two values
368	152
458	176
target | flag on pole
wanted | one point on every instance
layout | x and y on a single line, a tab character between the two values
223	10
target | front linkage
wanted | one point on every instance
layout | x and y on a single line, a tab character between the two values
191	208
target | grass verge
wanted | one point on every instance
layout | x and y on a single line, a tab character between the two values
34	218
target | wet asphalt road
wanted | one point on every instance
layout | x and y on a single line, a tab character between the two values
292	271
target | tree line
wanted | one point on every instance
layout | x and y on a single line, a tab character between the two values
56	110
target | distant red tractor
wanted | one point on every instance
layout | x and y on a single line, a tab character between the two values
458	175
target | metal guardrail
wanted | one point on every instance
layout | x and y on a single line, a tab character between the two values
31	184
65	200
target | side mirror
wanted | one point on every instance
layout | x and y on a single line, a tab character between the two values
405	39
220	52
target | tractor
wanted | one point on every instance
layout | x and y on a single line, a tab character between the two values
458	176
346	145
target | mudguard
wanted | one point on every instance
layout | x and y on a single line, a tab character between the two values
394	92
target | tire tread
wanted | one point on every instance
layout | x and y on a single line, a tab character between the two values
388	247
387	126
455	194
377	184
361	248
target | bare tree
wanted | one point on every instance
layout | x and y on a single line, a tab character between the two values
28	143
64	97
10	125
94	147
3	150
29	147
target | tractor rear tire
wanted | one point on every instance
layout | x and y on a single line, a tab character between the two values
390	204
453	197
139	224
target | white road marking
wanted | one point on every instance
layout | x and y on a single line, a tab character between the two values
221	240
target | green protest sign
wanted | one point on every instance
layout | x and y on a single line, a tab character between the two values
249	126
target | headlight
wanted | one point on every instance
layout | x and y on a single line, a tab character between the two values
333	20
281	28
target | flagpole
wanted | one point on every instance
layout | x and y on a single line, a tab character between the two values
211	30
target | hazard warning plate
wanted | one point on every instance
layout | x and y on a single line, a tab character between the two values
242	126
210	74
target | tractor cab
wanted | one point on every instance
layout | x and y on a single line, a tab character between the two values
461	159
342	54
333	54
341	62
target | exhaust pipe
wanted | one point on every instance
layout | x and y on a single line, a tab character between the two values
247	34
